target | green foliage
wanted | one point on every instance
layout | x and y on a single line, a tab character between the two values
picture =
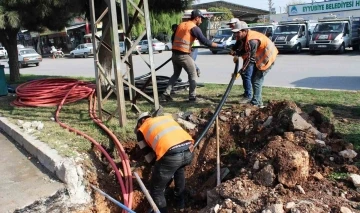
36	15
160	22
338	176
225	15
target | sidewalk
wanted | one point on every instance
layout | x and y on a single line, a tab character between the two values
23	180
35	178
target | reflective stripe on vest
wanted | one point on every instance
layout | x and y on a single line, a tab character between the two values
266	53
163	132
151	129
183	38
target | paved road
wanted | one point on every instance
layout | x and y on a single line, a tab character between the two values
327	71
23	179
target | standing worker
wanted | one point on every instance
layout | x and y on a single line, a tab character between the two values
172	146
239	51
194	51
259	55
185	35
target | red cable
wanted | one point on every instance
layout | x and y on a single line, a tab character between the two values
59	91
125	160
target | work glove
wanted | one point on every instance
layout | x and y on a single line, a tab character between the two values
235	59
232	52
221	46
236	75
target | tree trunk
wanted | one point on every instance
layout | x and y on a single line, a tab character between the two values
8	39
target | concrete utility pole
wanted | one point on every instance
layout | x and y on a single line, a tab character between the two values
271	4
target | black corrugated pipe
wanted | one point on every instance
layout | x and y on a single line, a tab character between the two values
218	108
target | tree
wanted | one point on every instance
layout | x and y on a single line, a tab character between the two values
225	15
37	15
293	2
33	15
160	10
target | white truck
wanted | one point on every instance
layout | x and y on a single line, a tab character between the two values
266	29
223	36
292	35
335	34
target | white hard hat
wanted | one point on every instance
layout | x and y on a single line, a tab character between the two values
239	26
141	116
233	21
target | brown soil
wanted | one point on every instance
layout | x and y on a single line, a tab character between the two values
243	140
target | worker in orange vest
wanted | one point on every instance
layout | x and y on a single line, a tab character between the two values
184	37
171	146
259	55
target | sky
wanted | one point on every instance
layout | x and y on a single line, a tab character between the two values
260	4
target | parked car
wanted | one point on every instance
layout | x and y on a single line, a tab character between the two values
3	52
168	46
28	56
156	45
82	50
122	48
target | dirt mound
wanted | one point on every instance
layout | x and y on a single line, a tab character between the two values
274	159
279	158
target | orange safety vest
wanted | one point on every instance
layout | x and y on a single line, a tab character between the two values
183	39
163	132
266	53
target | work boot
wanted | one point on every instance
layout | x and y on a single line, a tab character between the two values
244	100
179	204
165	97
192	99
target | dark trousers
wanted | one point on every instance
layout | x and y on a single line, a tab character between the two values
183	61
169	166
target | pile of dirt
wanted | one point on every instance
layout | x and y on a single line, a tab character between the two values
279	158
273	159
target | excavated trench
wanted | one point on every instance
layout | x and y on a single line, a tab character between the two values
274	157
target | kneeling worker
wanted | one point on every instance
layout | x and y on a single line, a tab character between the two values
171	145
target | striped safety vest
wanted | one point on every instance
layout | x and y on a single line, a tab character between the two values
163	132
183	39
266	53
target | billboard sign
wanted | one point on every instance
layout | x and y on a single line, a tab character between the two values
323	7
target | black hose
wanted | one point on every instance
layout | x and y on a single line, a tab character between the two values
149	73
162	82
218	108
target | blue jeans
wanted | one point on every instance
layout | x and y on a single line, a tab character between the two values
169	166
247	83
257	81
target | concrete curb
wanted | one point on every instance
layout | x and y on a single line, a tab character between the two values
65	169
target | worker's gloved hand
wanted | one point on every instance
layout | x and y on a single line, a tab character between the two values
221	46
236	75
235	59
232	52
